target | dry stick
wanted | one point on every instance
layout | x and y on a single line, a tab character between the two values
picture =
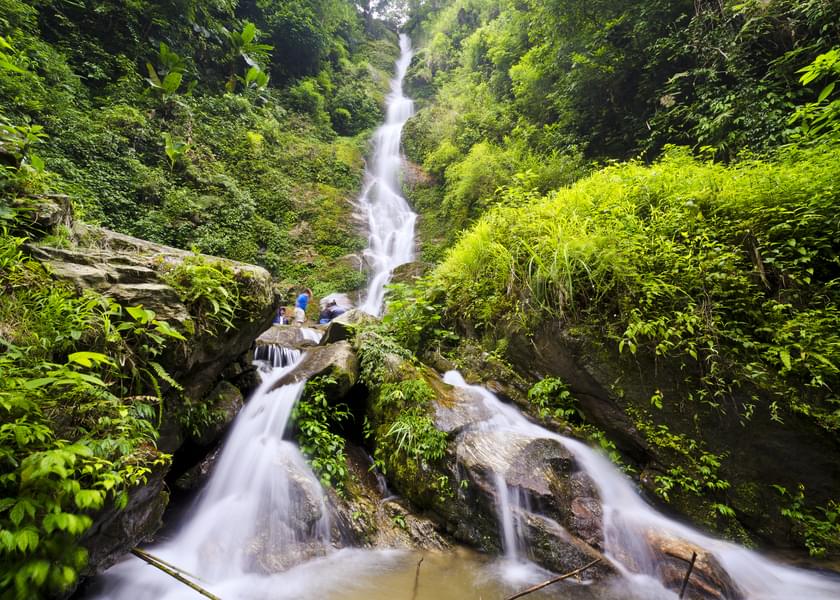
417	579
172	573
540	586
688	574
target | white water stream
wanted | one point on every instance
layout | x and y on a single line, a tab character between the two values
249	517
627	517
390	219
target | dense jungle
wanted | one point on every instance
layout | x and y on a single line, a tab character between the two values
620	219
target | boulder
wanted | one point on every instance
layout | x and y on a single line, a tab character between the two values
338	360
369	516
287	336
344	326
708	580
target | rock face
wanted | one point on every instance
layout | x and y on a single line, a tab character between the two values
609	388
130	271
114	532
556	515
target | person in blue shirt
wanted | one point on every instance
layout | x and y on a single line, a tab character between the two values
300	306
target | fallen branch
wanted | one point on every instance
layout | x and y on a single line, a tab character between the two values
540	586
688	574
417	579
159	564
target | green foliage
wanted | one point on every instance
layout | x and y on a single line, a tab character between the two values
728	271
820	120
551	398
209	290
413	317
248	176
315	419
406	432
820	526
78	389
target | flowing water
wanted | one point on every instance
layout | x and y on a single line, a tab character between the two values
627	518
262	507
390	219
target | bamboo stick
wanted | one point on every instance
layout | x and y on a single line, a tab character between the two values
159	564
540	586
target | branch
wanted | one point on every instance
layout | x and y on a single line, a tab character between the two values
688	574
159	564
540	586
417	579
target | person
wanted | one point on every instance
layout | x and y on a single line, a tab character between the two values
280	317
300	306
330	312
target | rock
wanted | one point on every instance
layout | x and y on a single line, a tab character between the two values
363	517
708	578
116	531
286	336
343	326
559	511
224	402
409	272
338	360
196	476
341	300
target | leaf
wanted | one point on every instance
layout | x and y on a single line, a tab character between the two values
27	539
138	313
826	91
153	78
784	355
249	32
88	359
172	82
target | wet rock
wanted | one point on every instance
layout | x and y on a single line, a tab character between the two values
343	327
224	403
196	476
364	517
338	360
708	578
409	272
287	336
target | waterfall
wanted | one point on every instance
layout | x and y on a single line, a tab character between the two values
262	510
390	220
627	517
276	356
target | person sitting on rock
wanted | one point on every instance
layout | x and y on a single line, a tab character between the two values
280	317
300	306
330	312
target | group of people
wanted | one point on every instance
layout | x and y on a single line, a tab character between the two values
329	312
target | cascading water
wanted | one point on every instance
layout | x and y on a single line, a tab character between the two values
627	518
390	219
262	511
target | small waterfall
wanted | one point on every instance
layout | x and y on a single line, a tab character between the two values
509	509
262	511
390	219
276	356
627	517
